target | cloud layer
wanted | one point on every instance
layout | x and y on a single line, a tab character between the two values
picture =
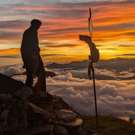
115	97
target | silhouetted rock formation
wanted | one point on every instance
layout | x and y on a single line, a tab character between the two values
22	113
13	87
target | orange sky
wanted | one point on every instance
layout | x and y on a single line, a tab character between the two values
114	29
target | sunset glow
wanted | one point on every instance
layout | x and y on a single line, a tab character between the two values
114	28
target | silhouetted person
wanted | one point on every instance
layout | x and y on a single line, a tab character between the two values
30	52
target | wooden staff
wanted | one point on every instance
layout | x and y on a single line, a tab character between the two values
91	70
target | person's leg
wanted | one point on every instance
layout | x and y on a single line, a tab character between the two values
29	79
42	80
41	74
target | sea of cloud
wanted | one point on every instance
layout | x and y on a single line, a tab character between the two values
114	97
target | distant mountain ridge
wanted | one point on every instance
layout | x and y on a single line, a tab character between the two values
113	64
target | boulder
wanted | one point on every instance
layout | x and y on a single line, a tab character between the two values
23	113
60	130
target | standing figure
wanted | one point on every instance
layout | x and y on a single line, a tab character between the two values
30	52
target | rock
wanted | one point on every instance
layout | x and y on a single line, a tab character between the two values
60	130
9	85
68	118
17	116
24	93
14	88
23	113
40	111
45	130
3	121
66	115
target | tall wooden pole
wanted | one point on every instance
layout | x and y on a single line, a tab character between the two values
92	68
95	95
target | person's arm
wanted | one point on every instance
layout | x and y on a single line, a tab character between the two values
36	48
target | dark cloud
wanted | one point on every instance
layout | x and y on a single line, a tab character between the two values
63	45
69	13
130	33
125	45
9	35
128	55
50	55
115	27
10	56
56	45
67	30
13	24
9	28
111	48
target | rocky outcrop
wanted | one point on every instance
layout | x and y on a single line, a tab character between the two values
23	113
